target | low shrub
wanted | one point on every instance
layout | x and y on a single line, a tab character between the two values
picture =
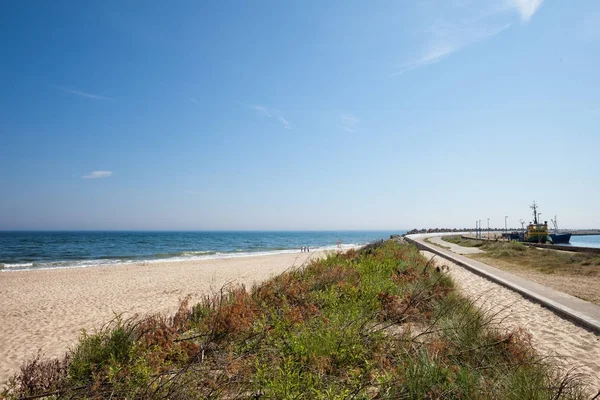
108	348
40	375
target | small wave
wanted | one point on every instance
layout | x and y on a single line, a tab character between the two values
197	253
61	264
17	265
117	257
161	258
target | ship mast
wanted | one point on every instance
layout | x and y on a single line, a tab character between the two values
555	224
534	207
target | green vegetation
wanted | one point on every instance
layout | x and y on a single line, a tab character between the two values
436	244
577	274
546	261
459	240
377	323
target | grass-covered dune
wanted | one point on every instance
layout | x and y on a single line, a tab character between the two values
547	261
379	323
577	274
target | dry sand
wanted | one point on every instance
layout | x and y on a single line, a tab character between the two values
567	344
46	309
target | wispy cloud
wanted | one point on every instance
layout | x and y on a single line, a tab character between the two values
462	23
194	100
270	113
526	8
81	93
284	122
446	46
432	56
98	174
349	122
262	110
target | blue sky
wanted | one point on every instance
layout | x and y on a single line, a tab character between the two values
298	114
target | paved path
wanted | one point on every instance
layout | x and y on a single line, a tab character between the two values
579	311
454	247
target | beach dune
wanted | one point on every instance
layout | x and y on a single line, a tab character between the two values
45	310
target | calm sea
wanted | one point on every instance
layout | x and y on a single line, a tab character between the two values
34	250
585	241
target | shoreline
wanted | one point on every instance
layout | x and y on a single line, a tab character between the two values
207	255
46	309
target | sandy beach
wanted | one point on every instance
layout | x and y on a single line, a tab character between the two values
45	310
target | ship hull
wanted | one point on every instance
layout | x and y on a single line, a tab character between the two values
539	239
560	238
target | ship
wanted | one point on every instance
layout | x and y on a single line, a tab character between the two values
536	231
557	236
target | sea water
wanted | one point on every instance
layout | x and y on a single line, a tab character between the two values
585	241
35	250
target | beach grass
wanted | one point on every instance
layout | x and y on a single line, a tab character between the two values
381	322
547	261
577	274
427	240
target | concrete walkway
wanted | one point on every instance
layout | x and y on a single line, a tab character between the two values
454	247
578	311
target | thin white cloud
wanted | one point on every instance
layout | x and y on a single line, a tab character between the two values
194	100
526	8
455	26
262	110
349	122
269	113
81	93
432	56
445	47
284	122
98	174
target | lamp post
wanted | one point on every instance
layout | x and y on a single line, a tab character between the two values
488	229
479	229
505	224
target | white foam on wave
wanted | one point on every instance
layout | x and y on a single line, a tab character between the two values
13	266
196	253
186	256
241	254
35	266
